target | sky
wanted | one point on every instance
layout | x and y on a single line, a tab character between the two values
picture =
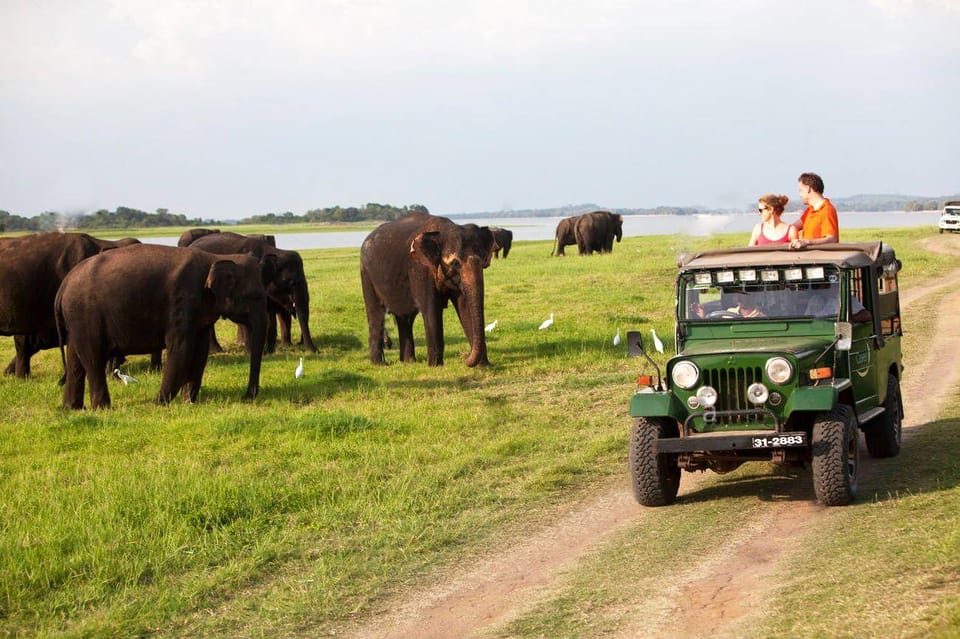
226	109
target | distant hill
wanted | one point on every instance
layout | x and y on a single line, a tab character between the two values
851	203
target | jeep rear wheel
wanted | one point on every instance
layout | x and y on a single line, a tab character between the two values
655	477
883	433
836	457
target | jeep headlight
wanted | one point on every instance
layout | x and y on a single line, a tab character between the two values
685	374
779	370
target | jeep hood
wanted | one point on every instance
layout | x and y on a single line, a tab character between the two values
800	347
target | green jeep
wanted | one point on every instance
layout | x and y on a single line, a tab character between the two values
782	356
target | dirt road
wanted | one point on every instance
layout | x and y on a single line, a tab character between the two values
712	597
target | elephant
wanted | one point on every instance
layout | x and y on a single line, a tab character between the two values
596	231
417	264
565	235
29	345
106	245
32	268
287	291
188	237
504	238
149	297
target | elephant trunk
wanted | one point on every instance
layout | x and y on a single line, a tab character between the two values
257	328
301	300
471	312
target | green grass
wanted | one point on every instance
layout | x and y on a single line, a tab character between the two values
299	511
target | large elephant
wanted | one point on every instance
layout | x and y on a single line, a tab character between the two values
504	238
565	235
31	270
596	231
28	345
146	298
287	290
418	264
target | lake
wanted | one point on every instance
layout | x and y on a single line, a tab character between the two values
543	228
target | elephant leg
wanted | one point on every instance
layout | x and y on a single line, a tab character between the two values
73	386
99	393
214	344
433	324
191	390
11	367
156	361
376	314
176	370
405	337
26	346
284	321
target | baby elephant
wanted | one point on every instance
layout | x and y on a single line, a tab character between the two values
146	298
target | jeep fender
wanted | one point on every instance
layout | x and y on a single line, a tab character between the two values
815	398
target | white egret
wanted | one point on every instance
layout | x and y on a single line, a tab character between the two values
299	372
126	379
616	338
656	341
489	327
547	323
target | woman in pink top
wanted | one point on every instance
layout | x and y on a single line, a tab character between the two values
771	229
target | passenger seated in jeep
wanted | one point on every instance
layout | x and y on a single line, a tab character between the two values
825	302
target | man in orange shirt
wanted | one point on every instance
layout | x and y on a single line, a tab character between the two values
818	222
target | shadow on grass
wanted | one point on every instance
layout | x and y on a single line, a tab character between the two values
929	461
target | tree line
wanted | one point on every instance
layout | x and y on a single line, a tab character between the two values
369	212
126	217
123	217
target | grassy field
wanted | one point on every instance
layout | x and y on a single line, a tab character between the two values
295	513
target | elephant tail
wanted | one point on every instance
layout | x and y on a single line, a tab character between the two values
61	329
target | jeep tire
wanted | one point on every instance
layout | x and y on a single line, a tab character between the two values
883	433
655	477
836	457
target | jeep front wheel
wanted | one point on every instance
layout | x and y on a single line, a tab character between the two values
883	433
655	477
836	457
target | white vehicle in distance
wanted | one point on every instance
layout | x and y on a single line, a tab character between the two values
950	219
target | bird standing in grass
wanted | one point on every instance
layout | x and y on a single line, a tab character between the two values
547	323
656	341
126	379
616	338
489	327
299	372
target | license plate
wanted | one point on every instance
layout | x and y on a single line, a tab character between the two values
780	441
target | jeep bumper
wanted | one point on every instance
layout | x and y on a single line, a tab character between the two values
741	440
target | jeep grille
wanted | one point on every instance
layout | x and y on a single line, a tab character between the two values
731	385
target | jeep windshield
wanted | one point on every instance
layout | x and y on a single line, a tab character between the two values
753	294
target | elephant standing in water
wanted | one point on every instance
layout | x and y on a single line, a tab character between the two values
146	298
596	231
504	238
31	270
418	264
565	234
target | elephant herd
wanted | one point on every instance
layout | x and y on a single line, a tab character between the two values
592	232
101	300
104	300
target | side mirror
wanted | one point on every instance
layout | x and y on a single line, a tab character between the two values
635	344
844	335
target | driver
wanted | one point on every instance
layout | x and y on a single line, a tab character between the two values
746	307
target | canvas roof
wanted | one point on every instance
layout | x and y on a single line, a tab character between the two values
842	255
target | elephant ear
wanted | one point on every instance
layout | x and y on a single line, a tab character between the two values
427	248
268	269
222	280
490	245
